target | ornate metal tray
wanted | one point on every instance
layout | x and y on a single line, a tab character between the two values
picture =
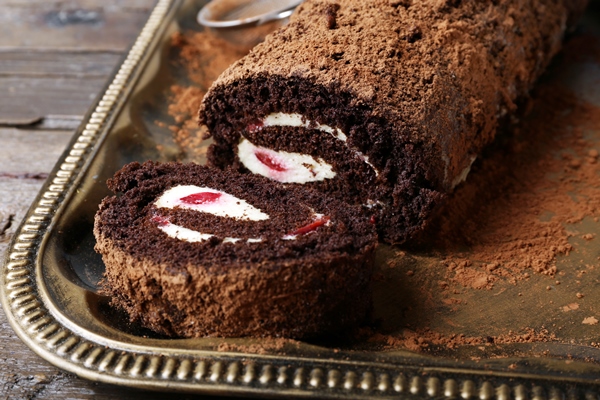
49	278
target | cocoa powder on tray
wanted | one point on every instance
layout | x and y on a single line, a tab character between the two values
266	346
203	56
419	341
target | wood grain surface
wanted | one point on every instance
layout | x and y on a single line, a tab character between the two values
55	56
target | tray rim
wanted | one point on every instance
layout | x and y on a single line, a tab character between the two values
29	309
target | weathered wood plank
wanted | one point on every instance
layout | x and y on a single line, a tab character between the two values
84	25
58	63
27	158
29	151
58	122
121	4
34	97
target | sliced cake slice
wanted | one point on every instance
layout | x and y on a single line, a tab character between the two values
192	251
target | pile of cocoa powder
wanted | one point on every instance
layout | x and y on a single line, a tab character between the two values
266	346
514	217
203	55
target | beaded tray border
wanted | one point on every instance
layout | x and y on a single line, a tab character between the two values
26	304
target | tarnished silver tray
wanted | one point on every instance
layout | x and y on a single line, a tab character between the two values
51	272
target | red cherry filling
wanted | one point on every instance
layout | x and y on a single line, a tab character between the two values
160	221
201	198
255	126
269	161
311	227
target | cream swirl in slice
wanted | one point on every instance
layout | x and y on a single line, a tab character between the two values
207	200
189	235
283	166
285	119
219	203
289	167
210	201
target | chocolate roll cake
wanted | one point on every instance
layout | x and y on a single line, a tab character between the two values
191	252
383	103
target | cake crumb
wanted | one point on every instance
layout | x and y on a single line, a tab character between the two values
570	307
590	321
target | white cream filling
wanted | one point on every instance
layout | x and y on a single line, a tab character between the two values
181	233
366	160
225	206
222	205
460	177
302	168
291	167
192	236
296	120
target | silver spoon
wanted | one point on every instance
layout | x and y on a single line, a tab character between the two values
234	13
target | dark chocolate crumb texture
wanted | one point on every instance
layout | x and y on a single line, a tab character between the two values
191	252
383	103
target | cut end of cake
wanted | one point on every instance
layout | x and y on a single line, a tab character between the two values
387	104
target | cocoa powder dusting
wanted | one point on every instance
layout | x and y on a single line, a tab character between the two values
266	346
203	56
418	341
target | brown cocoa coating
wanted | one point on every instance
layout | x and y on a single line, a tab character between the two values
314	285
293	299
418	86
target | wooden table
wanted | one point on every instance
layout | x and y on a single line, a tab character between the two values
55	56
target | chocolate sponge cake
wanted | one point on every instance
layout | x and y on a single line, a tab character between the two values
383	103
191	252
